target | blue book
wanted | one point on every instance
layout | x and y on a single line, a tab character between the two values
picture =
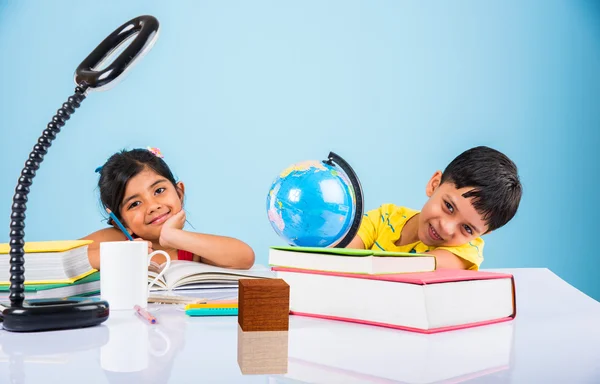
212	311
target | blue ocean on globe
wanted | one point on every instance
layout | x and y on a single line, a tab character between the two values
311	204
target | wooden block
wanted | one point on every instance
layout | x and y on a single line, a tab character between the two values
263	305
262	353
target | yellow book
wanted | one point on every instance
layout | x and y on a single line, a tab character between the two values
50	262
47	246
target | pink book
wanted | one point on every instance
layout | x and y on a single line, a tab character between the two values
426	302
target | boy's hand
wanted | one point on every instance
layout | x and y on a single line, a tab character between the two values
173	224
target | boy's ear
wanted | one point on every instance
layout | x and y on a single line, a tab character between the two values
433	183
180	189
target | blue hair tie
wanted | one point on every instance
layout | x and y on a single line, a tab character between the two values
98	169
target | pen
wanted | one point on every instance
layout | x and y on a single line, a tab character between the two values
145	314
121	227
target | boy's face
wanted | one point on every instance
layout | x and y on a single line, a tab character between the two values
149	200
448	219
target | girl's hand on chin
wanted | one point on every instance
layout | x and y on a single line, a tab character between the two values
173	224
177	221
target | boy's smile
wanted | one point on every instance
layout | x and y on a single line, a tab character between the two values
433	234
448	218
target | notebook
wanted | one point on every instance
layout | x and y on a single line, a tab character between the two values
427	302
184	274
50	262
350	260
88	285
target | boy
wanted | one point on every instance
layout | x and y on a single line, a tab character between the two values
478	192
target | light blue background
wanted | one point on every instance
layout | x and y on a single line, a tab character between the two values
233	92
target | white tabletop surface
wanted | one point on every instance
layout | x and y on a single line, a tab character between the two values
554	339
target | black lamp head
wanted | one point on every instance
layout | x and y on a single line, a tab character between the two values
42	315
90	71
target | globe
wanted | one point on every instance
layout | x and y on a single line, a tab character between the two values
316	203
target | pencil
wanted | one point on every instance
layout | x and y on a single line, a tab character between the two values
121	227
210	305
145	314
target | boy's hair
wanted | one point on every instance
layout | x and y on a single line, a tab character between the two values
493	176
120	168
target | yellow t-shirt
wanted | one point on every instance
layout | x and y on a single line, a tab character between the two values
381	228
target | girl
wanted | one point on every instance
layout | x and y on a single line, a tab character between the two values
139	188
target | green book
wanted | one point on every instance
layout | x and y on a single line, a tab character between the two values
349	260
347	251
85	286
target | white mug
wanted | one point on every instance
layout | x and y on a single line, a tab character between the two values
124	273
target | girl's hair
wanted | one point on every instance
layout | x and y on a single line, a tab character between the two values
120	168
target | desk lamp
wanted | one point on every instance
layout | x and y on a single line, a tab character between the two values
77	312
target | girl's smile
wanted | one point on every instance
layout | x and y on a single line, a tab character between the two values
159	219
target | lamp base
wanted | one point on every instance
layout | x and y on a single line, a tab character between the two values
55	314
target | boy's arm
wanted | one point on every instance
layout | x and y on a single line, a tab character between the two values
447	260
367	232
356	243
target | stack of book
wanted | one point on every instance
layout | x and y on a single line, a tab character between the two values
391	289
53	269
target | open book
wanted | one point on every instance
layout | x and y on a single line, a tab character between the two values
183	274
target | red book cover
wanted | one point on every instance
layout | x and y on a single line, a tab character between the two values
420	278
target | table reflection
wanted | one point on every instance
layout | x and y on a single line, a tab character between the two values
319	352
55	349
140	352
260	353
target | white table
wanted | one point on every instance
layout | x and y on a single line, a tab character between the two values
554	339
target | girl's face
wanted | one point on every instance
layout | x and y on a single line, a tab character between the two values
149	200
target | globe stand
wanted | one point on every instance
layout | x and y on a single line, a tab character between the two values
76	312
334	158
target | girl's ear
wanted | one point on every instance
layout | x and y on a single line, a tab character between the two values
433	183
180	190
